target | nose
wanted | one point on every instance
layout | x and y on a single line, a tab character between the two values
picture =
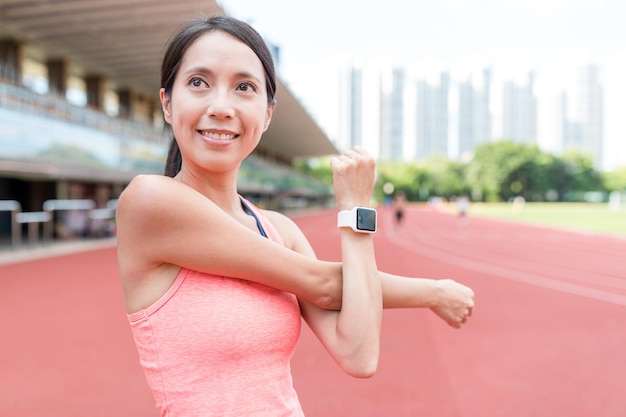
220	105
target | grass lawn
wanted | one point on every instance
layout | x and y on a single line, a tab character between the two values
589	217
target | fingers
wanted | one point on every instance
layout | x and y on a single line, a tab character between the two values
457	303
466	314
469	310
459	321
354	176
455	316
355	157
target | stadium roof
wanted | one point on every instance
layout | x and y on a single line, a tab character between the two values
124	40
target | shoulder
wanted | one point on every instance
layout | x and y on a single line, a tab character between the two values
140	187
143	186
147	194
148	204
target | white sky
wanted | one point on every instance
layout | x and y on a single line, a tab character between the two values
549	36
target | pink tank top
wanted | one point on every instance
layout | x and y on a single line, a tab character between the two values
219	346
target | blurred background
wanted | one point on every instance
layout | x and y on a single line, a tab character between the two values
476	110
495	100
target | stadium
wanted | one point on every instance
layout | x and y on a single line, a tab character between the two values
80	116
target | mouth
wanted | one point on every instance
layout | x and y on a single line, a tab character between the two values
217	135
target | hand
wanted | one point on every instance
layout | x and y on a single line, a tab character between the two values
455	302
354	176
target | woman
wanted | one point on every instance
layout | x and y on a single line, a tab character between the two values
214	287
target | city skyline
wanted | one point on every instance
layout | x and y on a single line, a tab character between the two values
559	120
460	36
416	118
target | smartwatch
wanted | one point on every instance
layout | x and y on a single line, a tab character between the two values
360	219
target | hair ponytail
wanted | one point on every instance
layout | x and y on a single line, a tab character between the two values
174	160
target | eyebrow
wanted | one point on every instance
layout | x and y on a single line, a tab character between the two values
205	70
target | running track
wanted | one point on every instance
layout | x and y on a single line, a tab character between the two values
547	337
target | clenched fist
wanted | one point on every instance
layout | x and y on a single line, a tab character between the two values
454	302
354	176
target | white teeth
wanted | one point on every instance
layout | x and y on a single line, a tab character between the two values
217	136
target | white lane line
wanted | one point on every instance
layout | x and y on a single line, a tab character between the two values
506	273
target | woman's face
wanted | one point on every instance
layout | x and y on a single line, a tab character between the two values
218	106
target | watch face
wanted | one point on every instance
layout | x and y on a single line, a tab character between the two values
366	219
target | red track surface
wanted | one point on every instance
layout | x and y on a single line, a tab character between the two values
547	336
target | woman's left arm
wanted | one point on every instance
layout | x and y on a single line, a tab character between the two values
350	333
450	300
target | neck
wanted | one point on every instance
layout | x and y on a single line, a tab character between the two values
221	189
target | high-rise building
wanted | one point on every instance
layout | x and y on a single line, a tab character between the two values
391	114
474	114
351	110
583	127
431	117
400	116
519	111
359	107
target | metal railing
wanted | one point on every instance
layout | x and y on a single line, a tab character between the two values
15	208
44	221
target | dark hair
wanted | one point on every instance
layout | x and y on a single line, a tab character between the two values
177	48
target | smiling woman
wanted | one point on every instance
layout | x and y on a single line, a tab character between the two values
217	101
215	288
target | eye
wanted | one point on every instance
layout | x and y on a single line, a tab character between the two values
197	82
247	86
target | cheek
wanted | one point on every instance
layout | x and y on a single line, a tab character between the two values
182	112
257	116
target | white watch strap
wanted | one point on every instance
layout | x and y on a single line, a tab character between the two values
350	218
346	218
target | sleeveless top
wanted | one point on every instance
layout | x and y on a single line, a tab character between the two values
220	346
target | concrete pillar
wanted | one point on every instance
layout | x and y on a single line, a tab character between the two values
58	74
135	106
126	98
155	106
96	87
11	60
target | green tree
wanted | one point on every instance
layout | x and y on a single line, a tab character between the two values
615	180
540	178
499	169
447	177
318	168
582	175
412	178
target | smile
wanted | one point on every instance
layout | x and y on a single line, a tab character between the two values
217	136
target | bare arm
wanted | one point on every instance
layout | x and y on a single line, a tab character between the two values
451	301
161	221
351	333
354	336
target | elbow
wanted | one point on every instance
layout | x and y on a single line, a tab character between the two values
327	302
327	295
362	363
362	368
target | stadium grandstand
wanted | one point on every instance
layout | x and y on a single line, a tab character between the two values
80	116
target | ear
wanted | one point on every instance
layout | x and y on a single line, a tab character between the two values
268	115
166	105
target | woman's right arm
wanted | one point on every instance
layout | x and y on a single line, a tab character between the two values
162	221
